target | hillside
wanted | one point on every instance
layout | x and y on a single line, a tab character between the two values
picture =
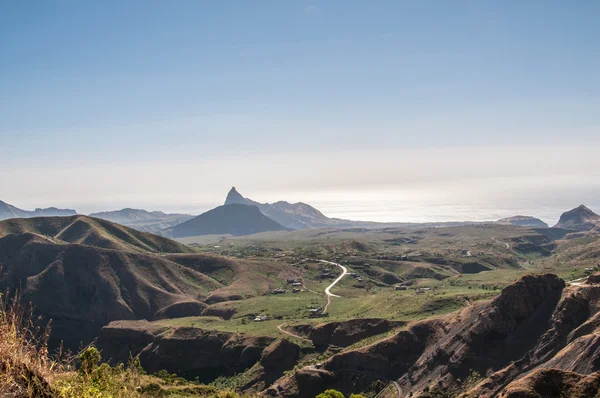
579	219
538	338
143	220
523	221
9	211
232	219
81	288
90	231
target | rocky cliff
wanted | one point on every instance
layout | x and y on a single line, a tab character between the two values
537	330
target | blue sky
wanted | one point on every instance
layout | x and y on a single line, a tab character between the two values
142	83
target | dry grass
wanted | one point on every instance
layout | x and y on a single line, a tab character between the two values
28	371
25	367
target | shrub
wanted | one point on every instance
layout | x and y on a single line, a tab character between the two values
330	394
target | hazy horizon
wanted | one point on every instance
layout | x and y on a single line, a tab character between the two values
399	111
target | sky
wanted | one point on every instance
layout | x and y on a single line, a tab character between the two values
166	105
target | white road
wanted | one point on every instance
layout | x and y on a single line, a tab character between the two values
502	243
577	282
328	288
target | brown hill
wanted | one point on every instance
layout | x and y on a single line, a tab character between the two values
579	219
509	346
92	232
81	288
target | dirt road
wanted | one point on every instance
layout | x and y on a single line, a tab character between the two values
328	288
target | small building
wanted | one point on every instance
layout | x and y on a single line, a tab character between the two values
278	291
401	287
420	291
296	290
297	284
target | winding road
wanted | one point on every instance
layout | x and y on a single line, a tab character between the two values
329	296
328	288
282	330
502	243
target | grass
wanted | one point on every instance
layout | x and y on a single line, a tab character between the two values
27	370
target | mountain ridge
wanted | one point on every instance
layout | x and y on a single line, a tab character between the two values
8	211
230	219
143	220
291	215
91	231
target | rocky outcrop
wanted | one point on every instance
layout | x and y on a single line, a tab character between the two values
554	383
188	352
225	313
345	333
181	309
530	318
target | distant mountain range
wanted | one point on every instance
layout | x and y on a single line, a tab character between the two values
280	215
9	211
293	215
230	219
143	220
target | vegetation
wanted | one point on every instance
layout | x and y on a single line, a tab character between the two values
27	370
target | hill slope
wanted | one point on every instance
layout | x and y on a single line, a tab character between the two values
142	220
232	219
82	288
92	232
538	338
9	211
579	219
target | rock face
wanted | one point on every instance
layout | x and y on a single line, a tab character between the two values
232	219
538	338
190	352
523	221
8	211
554	383
579	219
345	333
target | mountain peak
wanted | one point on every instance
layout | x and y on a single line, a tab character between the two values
580	218
235	197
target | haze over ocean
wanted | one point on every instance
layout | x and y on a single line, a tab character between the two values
401	111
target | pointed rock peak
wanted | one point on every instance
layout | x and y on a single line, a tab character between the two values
234	197
581	211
